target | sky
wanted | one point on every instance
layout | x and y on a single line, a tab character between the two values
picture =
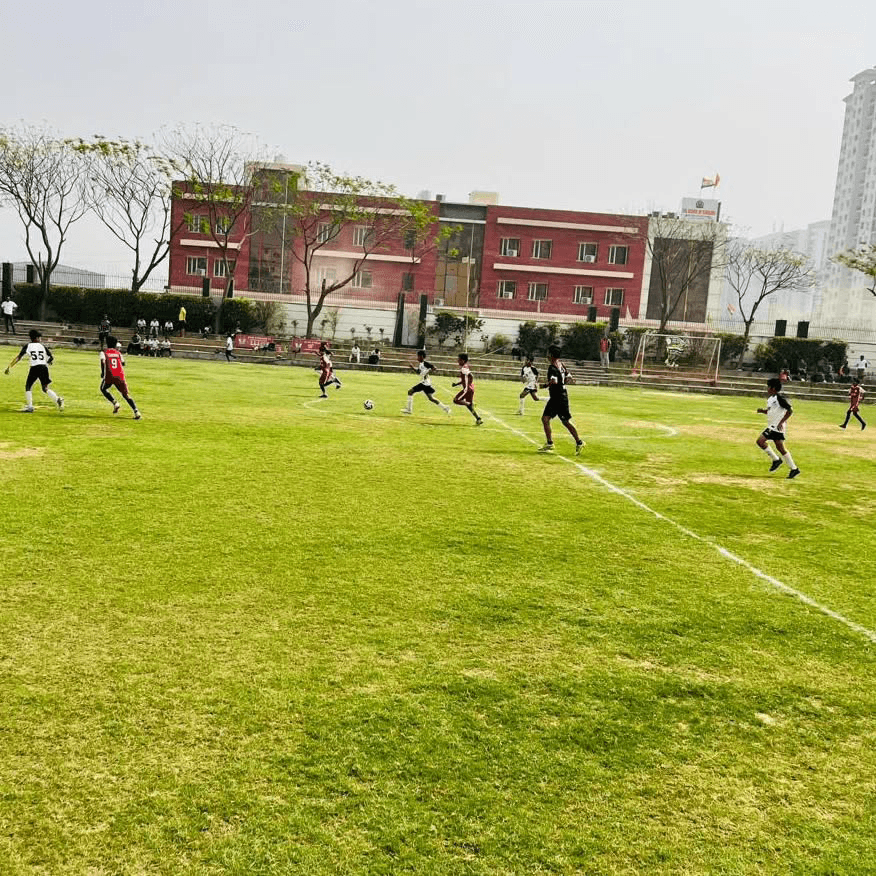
565	104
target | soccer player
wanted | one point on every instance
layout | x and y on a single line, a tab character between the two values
529	375
778	410
40	359
112	373
326	370
465	396
558	402
424	369
856	396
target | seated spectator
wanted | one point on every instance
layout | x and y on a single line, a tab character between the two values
135	345
784	375
168	328
141	326
205	332
355	353
374	358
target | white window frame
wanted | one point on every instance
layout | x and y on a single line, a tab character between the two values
330	275
583	295
509	247
196	265
609	297
361	233
362	280
219	268
538	247
195	223
224	226
584	255
504	287
533	292
326	232
614	251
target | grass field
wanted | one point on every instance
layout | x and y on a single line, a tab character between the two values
260	633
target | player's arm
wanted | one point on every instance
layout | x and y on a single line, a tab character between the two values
17	359
102	364
786	407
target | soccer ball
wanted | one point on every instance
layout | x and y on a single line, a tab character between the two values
368	405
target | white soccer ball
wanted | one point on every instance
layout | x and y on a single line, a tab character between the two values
368	405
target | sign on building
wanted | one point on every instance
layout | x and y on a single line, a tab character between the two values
700	209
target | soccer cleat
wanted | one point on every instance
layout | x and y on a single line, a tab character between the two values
519	413
578	448
776	463
863	426
60	403
322	396
337	383
548	448
138	415
116	407
27	409
793	473
406	411
842	426
479	422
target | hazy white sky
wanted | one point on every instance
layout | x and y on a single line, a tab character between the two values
579	104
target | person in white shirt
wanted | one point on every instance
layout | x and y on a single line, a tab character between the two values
424	369
862	365
529	375
355	353
777	411
40	358
9	307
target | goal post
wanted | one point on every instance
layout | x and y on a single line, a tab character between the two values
668	354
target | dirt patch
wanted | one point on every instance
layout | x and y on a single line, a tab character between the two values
9	452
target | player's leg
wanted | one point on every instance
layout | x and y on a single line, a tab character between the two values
845	422
574	433
522	397
434	399
548	435
104	390
786	456
761	442
859	419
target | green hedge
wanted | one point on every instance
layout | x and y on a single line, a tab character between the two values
87	306
779	353
581	341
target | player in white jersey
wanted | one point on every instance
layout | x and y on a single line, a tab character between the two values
40	358
777	411
529	375
424	369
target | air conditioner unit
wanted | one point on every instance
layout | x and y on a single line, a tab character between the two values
438	302
512	253
590	259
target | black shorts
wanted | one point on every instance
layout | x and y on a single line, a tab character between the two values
558	407
422	387
529	390
773	435
38	372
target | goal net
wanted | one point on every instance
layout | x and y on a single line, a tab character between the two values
692	357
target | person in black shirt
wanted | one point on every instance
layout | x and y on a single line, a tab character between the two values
558	402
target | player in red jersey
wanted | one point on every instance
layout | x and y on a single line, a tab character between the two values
326	370
112	373
465	396
856	396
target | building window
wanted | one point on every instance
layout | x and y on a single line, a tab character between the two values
407	282
223	226
541	249
220	269
197	224
617	255
614	297
196	265
507	289
587	252
324	275
362	280
410	240
537	292
326	232
363	235
509	247
583	295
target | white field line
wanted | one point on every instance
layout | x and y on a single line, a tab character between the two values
729	555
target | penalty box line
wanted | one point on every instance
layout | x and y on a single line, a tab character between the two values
722	551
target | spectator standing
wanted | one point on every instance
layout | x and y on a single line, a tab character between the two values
229	348
9	308
604	350
862	365
103	331
856	396
181	321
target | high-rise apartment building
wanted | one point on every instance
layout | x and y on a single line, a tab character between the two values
853	222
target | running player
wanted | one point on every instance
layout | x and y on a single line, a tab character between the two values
558	402
40	358
424	369
465	396
529	375
856	395
112	373
326	370
778	410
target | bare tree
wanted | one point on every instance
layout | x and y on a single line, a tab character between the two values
319	204
216	165
755	274
683	254
41	176
128	187
862	260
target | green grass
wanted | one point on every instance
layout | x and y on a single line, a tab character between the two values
257	633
